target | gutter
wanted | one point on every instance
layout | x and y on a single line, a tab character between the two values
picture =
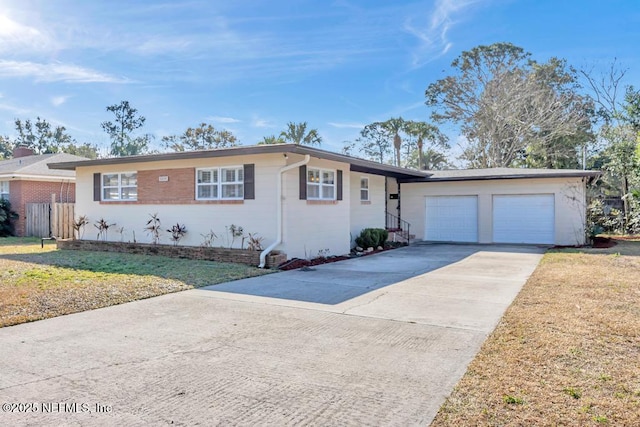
264	253
52	178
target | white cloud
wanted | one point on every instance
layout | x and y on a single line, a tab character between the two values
57	101
56	71
434	41
14	110
16	37
262	123
219	119
347	125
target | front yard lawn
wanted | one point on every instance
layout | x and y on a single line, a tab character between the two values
40	283
567	351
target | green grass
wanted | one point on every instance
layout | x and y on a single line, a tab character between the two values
37	283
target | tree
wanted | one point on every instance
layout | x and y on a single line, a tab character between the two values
87	150
271	139
204	137
41	137
394	126
620	132
432	159
505	102
348	148
6	147
297	134
424	131
127	121
374	142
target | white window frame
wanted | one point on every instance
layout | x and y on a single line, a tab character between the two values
366	199
120	187
320	184
220	183
4	190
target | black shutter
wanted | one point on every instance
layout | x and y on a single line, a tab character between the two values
339	185
303	182
249	181
97	187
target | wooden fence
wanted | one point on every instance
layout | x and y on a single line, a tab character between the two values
62	217
38	221
50	219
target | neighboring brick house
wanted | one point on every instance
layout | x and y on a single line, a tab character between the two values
26	178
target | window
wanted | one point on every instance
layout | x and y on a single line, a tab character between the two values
4	190
120	186
364	189
220	183
321	184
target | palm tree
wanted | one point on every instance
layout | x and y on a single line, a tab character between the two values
271	139
435	160
425	131
394	126
297	133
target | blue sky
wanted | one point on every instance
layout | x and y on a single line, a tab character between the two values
251	66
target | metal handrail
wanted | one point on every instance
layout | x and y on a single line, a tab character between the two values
397	225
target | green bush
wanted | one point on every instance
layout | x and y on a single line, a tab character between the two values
372	237
7	216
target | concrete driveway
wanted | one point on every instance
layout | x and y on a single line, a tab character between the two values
380	340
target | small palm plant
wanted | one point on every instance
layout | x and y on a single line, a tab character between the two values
208	239
255	242
177	232
103	228
235	231
79	225
153	228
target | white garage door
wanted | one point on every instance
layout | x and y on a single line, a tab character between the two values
528	218
452	219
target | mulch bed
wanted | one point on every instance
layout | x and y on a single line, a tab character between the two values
598	243
603	242
294	263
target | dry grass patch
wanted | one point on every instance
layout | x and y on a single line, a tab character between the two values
40	283
567	351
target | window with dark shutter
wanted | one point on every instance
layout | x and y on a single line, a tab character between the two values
303	182
249	181
339	185
97	187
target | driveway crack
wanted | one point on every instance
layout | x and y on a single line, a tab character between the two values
365	303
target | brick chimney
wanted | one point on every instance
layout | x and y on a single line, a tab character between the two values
22	152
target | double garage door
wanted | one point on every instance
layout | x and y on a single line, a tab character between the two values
526	218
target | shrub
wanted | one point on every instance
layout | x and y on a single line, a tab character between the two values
7	216
372	237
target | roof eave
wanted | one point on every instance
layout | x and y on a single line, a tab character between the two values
589	174
356	164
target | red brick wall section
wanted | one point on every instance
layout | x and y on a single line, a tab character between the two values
178	189
22	192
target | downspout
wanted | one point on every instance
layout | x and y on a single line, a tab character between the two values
264	253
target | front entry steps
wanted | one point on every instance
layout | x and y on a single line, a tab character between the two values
400	236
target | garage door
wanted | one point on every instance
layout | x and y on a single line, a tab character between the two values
452	219
526	218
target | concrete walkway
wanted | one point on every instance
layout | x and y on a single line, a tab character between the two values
380	340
